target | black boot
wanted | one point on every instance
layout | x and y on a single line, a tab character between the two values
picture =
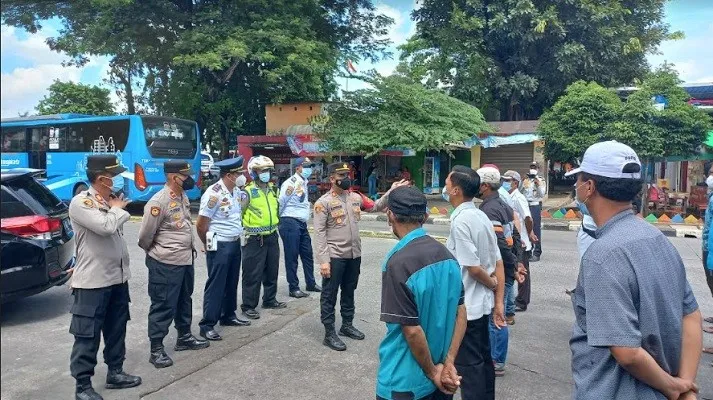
158	357
351	332
190	342
118	379
331	339
85	391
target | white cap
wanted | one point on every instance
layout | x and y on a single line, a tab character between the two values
608	159
489	175
510	174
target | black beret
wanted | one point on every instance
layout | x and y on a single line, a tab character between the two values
407	201
104	163
337	168
177	167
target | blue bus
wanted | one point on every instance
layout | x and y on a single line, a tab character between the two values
60	144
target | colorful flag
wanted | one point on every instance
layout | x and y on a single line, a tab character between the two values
350	67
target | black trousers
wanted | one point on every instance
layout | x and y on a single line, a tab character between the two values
170	289
523	289
344	274
708	272
220	299
474	362
96	312
261	263
536	212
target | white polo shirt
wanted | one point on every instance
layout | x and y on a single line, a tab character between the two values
522	208
473	243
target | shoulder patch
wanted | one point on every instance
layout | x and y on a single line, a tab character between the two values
319	208
294	179
155	211
172	204
88	203
216	188
212	201
243	196
290	190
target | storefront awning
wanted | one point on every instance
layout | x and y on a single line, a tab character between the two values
497	141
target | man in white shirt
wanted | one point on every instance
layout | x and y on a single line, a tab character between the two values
473	242
534	187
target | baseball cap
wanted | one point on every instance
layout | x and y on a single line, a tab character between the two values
408	201
488	175
510	174
610	159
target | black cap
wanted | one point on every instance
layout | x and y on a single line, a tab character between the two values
304	161
104	163
407	201
338	168
177	167
231	164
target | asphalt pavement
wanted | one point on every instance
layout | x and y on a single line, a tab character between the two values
281	355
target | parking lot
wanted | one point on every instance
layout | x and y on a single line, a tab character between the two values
281	355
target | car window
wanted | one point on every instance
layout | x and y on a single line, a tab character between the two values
11	206
32	195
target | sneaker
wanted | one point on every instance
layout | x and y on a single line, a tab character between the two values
499	370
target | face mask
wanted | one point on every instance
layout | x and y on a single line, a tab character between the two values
709	181
507	186
581	204
306	172
240	181
446	195
344	184
117	183
264	177
188	183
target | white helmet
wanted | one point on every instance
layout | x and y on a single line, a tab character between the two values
261	163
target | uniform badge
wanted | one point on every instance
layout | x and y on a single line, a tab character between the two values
212	201
89	203
334	203
173	195
254	192
155	211
290	190
176	216
243	196
339	220
319	208
173	204
216	188
179	224
99	197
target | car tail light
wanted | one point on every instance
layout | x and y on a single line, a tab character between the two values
33	226
140	178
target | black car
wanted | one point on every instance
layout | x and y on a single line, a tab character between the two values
37	245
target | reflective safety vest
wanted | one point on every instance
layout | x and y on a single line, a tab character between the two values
260	216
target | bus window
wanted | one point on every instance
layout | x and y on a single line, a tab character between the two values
170	137
98	137
13	140
57	139
38	139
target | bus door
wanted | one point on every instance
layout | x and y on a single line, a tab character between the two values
38	146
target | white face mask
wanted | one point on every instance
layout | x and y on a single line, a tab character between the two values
709	182
240	180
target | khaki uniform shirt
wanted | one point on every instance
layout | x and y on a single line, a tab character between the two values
102	255
336	229
167	229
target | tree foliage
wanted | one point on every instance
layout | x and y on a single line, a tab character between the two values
516	57
399	113
70	97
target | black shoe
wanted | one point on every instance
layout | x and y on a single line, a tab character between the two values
159	358
87	393
235	321
274	304
190	342
333	341
351	332
211	335
315	288
118	379
535	259
252	314
298	294
520	309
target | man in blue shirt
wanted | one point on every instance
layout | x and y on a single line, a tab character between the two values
708	267
422	305
294	213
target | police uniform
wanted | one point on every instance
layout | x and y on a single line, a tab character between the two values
167	237
261	253
336	218
99	284
534	195
222	207
294	214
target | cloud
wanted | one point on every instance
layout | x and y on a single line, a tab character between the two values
402	27
691	56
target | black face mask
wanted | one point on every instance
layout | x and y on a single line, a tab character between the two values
344	184
188	184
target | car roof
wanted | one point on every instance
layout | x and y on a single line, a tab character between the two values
7	175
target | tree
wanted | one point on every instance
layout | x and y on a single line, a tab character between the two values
70	97
399	113
516	57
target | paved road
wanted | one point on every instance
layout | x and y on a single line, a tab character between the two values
281	356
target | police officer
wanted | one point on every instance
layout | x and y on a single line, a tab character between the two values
336	217
261	252
294	214
220	228
534	189
100	278
167	237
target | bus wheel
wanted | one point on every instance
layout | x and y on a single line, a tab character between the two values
80	188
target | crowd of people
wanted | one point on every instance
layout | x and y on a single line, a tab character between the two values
447	308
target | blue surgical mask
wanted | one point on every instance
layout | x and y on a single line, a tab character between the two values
264	177
580	204
446	196
306	172
118	183
507	186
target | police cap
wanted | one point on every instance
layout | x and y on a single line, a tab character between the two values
230	165
407	201
104	163
177	167
304	162
338	168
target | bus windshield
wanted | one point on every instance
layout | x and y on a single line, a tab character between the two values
168	129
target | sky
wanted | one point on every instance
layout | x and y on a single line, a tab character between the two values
28	66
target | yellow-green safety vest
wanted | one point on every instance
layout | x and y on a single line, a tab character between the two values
261	215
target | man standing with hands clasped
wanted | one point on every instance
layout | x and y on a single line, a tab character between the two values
336	231
166	235
422	305
637	333
100	279
534	188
